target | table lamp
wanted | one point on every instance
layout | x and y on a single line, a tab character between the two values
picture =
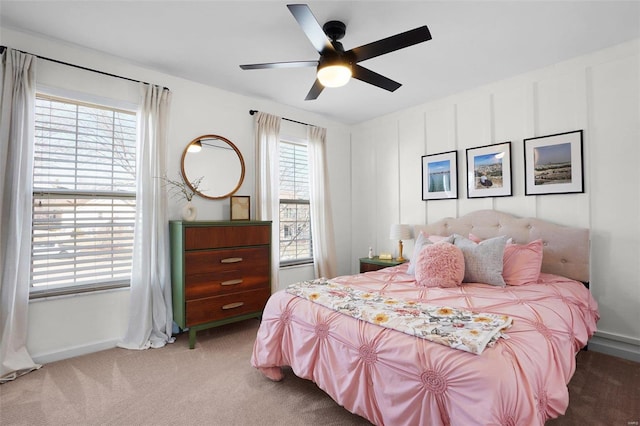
401	232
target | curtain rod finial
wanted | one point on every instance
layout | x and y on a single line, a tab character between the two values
252	111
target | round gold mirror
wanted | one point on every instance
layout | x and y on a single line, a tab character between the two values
212	166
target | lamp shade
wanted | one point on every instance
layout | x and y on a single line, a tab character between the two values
401	232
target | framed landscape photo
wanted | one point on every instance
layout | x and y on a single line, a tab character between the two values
240	207
440	176
553	164
489	171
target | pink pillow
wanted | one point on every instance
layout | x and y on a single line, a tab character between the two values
475	238
423	240
438	238
478	240
521	263
440	265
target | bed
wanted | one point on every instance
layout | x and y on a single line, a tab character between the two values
391	377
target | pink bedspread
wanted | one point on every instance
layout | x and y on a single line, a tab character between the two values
392	378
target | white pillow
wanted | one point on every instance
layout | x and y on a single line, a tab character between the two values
423	240
483	262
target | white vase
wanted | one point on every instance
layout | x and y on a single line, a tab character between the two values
189	212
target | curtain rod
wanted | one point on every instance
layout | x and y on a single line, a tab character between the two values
253	111
2	49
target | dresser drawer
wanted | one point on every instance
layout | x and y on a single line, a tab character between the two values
222	261
211	237
221	307
200	286
215	272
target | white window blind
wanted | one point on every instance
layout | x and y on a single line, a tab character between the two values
84	188
295	215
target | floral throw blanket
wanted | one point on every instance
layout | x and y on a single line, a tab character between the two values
456	328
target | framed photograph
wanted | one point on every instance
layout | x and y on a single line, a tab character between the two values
240	207
440	176
553	164
489	171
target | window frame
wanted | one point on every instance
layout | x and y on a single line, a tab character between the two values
113	197
298	261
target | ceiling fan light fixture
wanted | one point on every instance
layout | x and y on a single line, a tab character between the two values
336	66
335	75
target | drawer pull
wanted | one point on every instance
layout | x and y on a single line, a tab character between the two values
231	282
231	260
233	305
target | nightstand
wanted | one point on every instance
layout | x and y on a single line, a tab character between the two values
375	263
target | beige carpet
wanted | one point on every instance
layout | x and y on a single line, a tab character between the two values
214	384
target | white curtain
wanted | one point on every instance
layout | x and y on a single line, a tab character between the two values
17	98
150	310
324	259
267	181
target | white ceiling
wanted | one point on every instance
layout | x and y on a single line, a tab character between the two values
474	42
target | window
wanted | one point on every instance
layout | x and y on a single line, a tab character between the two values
84	197
295	214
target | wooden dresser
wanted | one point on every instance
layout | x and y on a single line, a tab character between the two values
220	272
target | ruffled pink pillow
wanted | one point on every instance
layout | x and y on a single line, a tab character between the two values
440	265
423	240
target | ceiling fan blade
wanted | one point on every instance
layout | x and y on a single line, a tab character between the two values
293	64
315	91
363	74
310	26
391	44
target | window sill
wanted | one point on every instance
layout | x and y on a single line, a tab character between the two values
299	264
72	291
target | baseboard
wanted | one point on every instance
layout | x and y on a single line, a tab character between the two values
73	352
622	348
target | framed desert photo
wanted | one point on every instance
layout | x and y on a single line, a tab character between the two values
553	164
240	207
440	176
489	171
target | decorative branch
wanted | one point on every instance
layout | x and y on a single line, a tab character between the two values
180	189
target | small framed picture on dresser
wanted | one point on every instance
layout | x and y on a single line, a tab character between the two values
240	207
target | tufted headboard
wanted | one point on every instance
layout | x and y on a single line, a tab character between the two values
566	249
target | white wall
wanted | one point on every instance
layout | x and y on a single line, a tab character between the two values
598	93
66	326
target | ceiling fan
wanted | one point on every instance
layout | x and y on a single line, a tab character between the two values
335	65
